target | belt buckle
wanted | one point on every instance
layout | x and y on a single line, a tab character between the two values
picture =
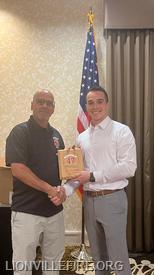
100	193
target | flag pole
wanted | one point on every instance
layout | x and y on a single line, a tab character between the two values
83	225
81	254
89	78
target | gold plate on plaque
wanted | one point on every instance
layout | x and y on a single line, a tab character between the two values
69	160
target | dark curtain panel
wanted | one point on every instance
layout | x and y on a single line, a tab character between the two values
130	84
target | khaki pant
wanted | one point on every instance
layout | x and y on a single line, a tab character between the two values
29	231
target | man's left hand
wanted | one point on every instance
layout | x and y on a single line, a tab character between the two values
83	177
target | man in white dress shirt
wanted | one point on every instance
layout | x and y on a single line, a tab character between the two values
109	153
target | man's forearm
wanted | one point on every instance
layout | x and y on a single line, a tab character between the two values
23	173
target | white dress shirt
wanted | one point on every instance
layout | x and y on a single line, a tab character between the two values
109	152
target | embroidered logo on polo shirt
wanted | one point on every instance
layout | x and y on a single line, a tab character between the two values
56	142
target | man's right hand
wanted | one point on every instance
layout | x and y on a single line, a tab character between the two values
58	195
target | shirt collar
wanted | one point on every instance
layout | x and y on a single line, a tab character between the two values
37	127
102	125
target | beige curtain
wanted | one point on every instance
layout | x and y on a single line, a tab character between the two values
130	84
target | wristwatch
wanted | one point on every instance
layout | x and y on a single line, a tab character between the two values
91	178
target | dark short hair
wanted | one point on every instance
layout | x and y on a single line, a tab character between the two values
99	89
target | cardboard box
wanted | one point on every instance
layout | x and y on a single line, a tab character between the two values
6	184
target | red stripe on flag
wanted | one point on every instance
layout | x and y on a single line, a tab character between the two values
79	191
80	127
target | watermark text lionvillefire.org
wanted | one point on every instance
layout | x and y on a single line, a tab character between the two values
64	265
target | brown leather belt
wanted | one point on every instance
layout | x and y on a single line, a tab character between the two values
100	193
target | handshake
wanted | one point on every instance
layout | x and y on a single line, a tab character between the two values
57	195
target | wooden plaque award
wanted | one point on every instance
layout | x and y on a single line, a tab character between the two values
70	161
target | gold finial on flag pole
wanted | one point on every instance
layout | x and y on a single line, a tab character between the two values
90	17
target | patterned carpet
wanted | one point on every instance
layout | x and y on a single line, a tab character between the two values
141	265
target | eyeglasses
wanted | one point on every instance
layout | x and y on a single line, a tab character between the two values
42	101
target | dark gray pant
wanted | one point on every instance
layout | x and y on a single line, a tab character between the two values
106	220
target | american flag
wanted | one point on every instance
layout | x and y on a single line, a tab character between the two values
90	77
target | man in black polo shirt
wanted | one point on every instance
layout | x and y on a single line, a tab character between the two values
31	151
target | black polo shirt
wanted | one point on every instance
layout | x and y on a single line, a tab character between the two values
36	147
